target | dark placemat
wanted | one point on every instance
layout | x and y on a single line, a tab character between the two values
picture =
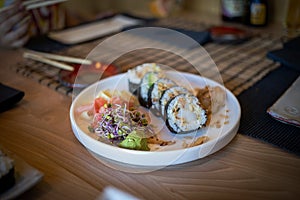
44	44
288	55
255	121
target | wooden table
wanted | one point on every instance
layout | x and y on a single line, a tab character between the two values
38	130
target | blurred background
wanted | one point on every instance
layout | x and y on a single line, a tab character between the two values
79	11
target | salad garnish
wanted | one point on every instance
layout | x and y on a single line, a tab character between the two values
116	117
116	122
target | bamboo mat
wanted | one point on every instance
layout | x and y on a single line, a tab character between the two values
240	65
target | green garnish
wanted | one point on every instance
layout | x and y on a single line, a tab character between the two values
135	141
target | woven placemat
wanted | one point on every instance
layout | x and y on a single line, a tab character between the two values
239	65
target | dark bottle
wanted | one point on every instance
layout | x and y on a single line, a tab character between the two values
256	13
233	10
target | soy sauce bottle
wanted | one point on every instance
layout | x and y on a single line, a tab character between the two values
256	13
233	10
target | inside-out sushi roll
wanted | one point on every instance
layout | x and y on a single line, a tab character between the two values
168	95
143	90
156	91
185	114
136	74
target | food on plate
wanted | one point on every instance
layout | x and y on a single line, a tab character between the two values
115	121
7	172
211	98
168	95
155	140
136	74
181	110
156	91
196	142
185	114
143	91
116	117
135	140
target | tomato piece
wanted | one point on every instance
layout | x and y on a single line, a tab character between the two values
98	103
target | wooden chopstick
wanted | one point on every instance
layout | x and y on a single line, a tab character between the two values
32	4
23	21
36	4
62	58
28	2
48	61
5	8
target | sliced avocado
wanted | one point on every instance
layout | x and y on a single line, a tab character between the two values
135	141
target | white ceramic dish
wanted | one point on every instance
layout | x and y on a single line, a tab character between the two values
170	154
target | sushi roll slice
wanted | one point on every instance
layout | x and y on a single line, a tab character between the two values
185	114
7	172
143	90
136	74
168	95
157	90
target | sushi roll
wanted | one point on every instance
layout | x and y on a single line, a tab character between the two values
143	90
185	114
168	95
156	91
136	74
7	172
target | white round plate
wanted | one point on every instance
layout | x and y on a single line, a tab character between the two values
228	118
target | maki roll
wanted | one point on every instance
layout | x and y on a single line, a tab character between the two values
157	90
168	95
136	74
143	90
185	114
7	172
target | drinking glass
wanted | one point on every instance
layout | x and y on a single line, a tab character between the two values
292	18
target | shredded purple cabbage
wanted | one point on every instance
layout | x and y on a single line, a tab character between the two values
117	122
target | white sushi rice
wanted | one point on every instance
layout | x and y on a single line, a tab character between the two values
169	94
136	74
6	164
158	88
184	114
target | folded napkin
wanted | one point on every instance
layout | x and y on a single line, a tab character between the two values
289	55
46	44
287	108
174	37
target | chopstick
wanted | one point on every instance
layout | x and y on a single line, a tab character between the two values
48	61
61	58
32	4
5	8
28	2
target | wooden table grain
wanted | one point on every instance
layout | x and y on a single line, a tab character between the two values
38	130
